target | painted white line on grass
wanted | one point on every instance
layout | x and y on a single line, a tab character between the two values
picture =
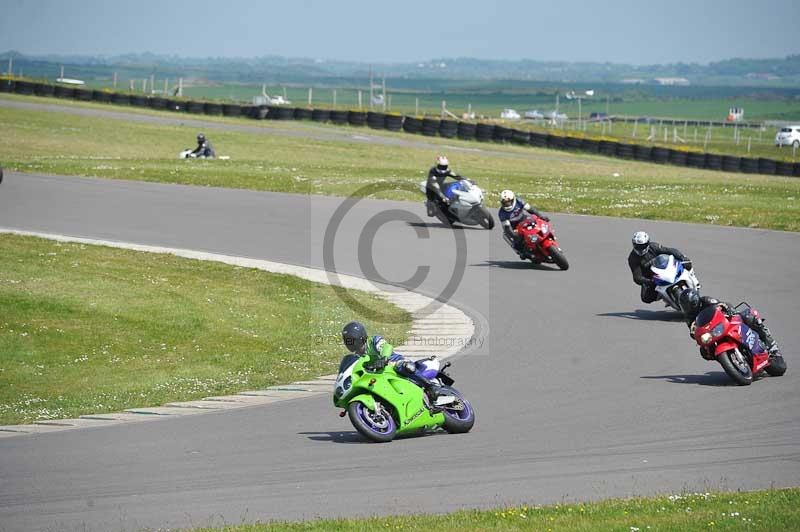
444	332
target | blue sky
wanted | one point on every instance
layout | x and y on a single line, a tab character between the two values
621	31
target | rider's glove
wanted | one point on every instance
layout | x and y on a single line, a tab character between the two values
687	264
545	218
377	365
446	201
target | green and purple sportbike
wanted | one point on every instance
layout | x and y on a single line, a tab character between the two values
383	403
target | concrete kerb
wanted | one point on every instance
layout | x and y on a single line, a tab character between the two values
444	332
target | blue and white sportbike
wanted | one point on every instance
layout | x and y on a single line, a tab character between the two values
672	278
466	204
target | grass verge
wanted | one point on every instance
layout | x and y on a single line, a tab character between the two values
50	142
90	329
758	510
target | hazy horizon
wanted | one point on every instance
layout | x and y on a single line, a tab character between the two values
626	32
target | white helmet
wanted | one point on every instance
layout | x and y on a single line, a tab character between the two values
641	242
507	200
442	164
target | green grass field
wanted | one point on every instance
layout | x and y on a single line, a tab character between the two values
90	329
768	510
52	142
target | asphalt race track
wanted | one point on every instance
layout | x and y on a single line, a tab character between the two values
581	391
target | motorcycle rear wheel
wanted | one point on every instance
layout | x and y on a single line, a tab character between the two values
559	258
735	365
458	420
777	367
378	426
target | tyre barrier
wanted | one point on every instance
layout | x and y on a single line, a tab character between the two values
608	147
61	92
678	157
520	137
83	95
320	115
231	109
642	153
625	151
302	113
659	155
157	102
573	143
213	109
796	171
539	140
376	120
448	129
357	118
466	131
590	145
502	134
555	141
101	96
339	117
43	89
139	101
484	132
767	166
783	168
7	85
194	107
713	161
119	98
749	165
430	126
24	87
731	163
696	160
256	112
393	122
412	124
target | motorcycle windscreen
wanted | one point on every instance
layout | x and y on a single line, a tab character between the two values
705	316
348	361
450	189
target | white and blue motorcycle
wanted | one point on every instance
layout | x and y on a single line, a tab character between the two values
672	278
466	204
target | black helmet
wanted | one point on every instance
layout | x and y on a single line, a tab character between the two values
354	336
201	138
689	301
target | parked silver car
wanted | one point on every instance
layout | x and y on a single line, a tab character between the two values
788	136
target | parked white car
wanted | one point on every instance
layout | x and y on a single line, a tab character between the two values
534	115
509	114
788	136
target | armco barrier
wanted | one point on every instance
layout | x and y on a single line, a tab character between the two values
320	115
357	118
302	113
448	128
466	131
393	122
484	132
429	126
339	117
412	124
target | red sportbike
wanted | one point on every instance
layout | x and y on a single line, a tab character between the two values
540	243
736	346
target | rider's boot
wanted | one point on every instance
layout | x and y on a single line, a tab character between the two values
431	208
437	396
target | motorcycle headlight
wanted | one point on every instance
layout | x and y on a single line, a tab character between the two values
534	238
718	330
706	338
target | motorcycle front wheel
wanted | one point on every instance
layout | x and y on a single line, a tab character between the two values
485	218
378	426
558	257
459	417
735	365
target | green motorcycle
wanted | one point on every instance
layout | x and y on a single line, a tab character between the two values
383	404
